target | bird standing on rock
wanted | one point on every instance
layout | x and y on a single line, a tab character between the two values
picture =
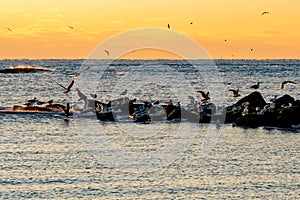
255	86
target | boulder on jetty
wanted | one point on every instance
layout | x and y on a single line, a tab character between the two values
255	99
252	111
31	108
284	100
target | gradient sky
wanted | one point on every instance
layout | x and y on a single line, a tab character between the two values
40	29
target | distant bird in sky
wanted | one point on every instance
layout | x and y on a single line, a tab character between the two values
235	92
225	40
204	95
8	29
286	82
264	13
71	27
256	86
68	89
251	49
169	26
191	23
107	52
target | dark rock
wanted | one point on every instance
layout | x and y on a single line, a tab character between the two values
255	99
282	118
284	100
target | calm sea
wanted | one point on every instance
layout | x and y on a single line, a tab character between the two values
54	157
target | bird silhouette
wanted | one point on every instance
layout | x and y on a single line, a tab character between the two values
264	13
256	86
31	102
235	92
68	89
71	27
8	29
107	52
169	26
204	95
286	82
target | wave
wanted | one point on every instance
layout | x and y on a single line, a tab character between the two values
25	69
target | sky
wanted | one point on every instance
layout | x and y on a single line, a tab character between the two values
231	29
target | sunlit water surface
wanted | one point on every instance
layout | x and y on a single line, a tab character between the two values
55	157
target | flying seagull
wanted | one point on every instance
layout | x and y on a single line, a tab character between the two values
286	82
235	92
169	26
255	86
8	29
68	89
107	52
264	13
71	27
204	95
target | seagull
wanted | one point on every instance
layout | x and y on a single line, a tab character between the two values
204	95
34	100
42	102
71	27
225	40
67	88
8	29
286	82
235	92
255	86
107	52
169	26
251	49
31	102
264	13
124	92
191	23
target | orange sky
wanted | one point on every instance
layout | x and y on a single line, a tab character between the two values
40	29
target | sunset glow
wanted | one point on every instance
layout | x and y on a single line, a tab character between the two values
226	29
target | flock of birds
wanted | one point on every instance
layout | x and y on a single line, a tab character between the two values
168	26
204	95
235	92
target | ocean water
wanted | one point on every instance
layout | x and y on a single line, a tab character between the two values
54	157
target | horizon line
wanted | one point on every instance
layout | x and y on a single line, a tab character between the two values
1	59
